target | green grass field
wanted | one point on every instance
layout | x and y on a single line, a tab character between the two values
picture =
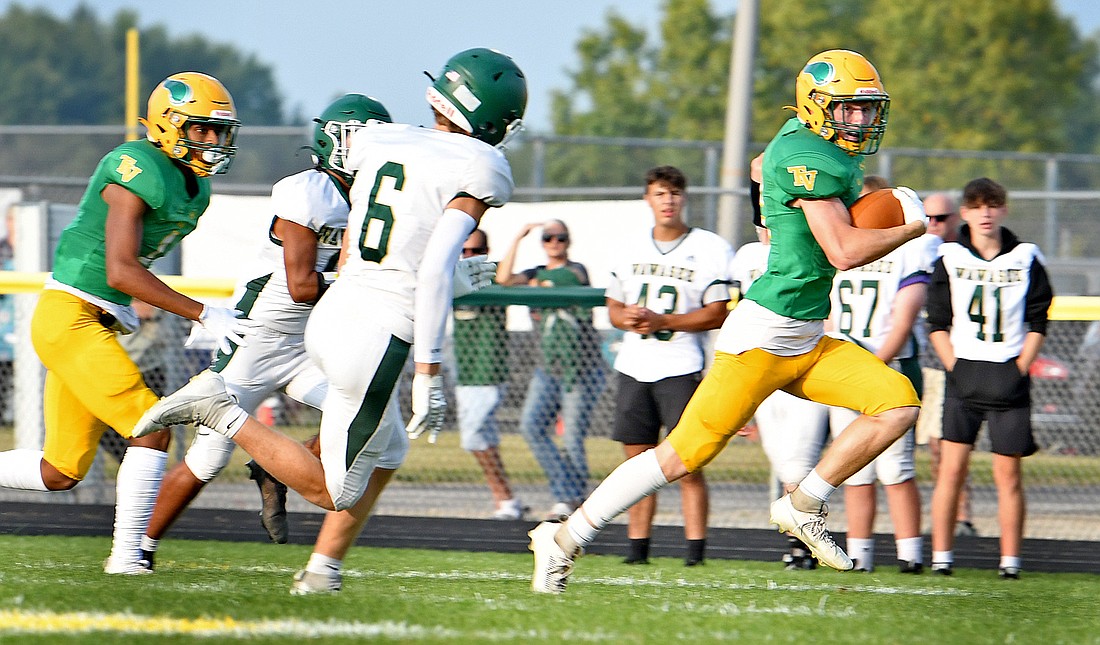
52	590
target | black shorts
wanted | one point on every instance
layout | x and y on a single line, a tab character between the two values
642	409
1009	430
993	392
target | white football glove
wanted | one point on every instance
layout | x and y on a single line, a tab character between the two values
473	274
428	405
226	326
911	205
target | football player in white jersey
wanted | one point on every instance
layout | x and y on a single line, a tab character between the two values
417	195
310	214
877	305
987	312
676	281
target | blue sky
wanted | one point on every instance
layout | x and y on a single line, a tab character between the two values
320	49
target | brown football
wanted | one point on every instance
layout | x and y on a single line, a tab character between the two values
877	209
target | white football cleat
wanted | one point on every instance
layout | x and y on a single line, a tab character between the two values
810	528
552	564
118	567
307	582
510	509
203	401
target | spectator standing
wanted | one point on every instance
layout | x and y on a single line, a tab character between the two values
570	378
987	313
676	279
481	357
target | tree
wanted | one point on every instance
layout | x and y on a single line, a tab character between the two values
83	81
986	75
625	87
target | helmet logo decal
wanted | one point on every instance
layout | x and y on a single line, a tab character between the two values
178	91
822	72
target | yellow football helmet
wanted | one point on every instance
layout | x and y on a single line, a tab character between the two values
840	76
187	99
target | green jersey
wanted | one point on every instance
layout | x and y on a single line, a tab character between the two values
141	168
799	164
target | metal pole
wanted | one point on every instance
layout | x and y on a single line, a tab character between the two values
1050	232
132	61
738	120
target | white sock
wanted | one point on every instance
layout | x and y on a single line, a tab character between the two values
149	544
910	549
22	469
816	487
1011	561
634	479
230	422
862	549
139	478
943	557
324	565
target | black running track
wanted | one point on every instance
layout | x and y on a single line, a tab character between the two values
28	518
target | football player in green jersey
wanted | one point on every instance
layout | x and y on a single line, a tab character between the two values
774	339
144	197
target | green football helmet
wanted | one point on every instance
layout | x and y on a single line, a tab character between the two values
483	92
333	129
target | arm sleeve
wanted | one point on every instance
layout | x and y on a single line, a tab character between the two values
434	284
1039	296
939	299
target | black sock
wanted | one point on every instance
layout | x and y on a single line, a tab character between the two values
639	551
695	552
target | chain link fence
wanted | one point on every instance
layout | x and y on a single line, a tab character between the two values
550	399
1051	203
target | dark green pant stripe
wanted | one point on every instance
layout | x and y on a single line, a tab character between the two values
244	305
365	423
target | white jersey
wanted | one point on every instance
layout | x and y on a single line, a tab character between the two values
988	300
406	176
693	274
311	199
863	297
749	263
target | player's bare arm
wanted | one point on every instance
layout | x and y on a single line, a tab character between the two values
617	312
941	342
123	245
299	258
907	306
1033	342
508	262
709	316
846	246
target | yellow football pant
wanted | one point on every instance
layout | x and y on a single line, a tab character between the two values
835	372
91	383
